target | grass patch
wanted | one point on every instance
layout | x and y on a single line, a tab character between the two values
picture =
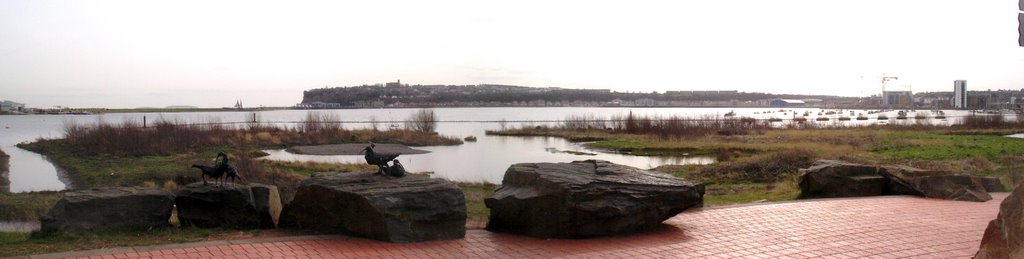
930	146
5	183
26	206
727	194
476	212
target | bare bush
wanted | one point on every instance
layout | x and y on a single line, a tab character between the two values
679	126
424	120
320	121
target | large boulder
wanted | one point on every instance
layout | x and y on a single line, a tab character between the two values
1004	237
235	206
111	208
586	198
992	184
413	208
830	179
934	184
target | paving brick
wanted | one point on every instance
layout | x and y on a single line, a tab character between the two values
881	227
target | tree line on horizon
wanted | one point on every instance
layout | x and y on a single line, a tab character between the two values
416	94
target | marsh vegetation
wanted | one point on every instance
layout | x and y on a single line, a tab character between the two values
760	161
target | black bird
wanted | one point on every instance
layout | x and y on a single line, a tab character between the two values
378	159
232	174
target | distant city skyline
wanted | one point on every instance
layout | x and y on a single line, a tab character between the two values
126	54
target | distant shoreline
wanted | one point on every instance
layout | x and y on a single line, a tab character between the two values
94	111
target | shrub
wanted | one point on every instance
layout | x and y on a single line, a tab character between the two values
422	120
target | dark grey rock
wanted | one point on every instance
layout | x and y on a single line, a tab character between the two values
586	198
952	187
1004	236
829	179
992	184
234	206
110	208
832	179
935	184
413	208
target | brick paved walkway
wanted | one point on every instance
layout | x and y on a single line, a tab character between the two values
882	227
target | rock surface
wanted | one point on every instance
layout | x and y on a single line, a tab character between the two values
413	208
235	206
993	184
111	208
586	198
831	179
1004	237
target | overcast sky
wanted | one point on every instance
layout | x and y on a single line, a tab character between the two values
211	53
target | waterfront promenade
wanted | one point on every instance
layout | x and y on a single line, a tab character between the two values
875	227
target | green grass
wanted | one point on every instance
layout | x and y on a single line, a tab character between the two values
930	146
16	244
726	194
105	171
25	206
476	211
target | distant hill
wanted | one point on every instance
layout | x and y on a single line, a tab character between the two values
398	95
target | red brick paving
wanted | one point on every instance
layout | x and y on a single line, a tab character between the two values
879	227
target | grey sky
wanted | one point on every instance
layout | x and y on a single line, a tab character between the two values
210	53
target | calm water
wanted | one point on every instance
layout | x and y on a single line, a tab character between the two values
484	160
487	159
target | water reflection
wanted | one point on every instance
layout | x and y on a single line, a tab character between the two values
487	159
484	160
33	172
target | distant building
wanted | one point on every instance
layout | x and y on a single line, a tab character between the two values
960	94
393	84
897	98
978	101
318	105
9	106
646	102
786	103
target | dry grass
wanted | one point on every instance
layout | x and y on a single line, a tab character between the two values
164	137
670	126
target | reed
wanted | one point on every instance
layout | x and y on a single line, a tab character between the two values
164	137
671	126
990	121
